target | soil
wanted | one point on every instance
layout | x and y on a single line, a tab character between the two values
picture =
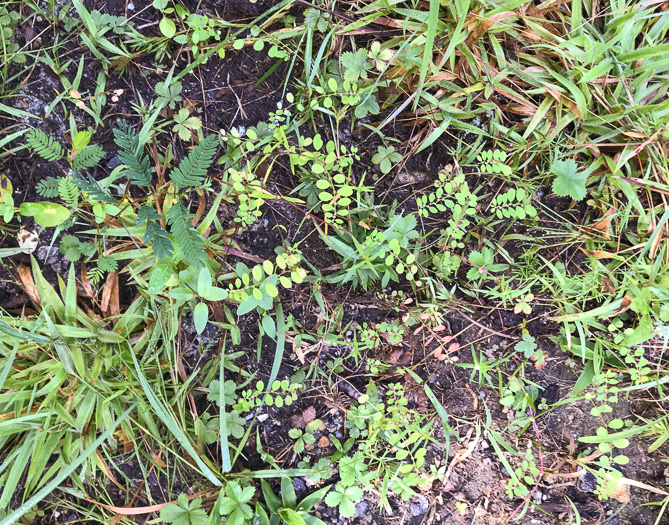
224	94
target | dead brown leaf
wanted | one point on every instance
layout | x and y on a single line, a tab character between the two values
486	24
85	283
599	254
110	303
158	460
608	285
624	306
301	421
309	415
621	493
604	223
27	283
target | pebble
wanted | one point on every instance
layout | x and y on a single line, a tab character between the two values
420	507
587	482
55	260
299	485
361	509
114	162
153	481
263	417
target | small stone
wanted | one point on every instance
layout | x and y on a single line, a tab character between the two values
361	509
299	485
587	482
420	507
114	162
414	177
263	417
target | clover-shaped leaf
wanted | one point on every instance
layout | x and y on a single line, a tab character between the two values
385	157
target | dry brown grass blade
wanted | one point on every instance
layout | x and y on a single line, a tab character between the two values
518	109
502	91
643	145
202	204
125	246
138	511
443	75
647	184
105	468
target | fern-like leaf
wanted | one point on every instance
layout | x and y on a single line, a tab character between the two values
92	188
162	244
107	264
193	168
492	162
186	236
68	191
45	146
95	275
131	154
48	188
88	157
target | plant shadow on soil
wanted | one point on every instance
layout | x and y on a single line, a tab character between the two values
225	95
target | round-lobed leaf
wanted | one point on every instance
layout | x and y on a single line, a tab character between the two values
167	27
200	317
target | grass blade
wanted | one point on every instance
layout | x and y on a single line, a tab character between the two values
170	423
8	365
280	343
576	18
18	113
223	424
63	474
432	22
